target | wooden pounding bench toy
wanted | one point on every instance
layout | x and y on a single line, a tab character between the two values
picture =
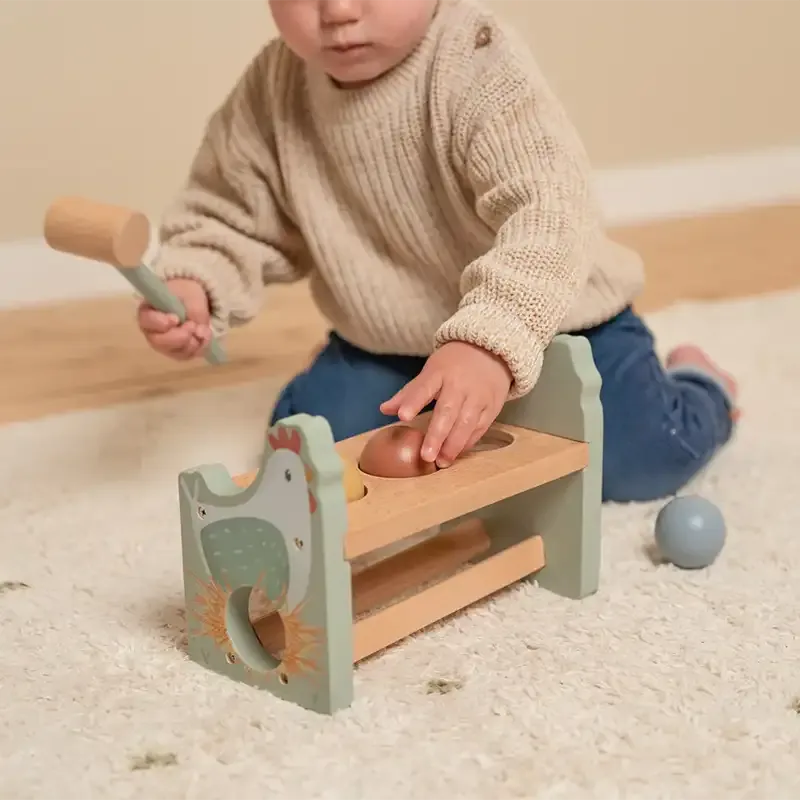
120	237
299	533
525	506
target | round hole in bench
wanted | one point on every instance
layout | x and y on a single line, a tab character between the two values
492	440
383	464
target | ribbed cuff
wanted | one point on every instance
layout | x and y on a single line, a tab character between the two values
210	269
492	328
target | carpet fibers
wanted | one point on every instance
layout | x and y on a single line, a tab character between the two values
665	684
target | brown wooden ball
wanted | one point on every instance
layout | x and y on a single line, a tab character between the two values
394	452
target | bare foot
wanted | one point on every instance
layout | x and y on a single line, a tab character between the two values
690	355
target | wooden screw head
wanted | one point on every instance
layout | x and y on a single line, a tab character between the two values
113	234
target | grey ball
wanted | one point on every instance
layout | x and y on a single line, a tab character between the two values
690	532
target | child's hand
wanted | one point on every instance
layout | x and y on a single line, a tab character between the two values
164	332
470	386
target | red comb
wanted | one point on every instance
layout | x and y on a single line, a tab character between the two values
285	439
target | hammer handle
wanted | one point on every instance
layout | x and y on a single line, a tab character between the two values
155	292
120	237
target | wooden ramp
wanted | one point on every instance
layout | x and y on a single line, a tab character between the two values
422	585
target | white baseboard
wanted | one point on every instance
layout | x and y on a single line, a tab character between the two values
32	273
700	185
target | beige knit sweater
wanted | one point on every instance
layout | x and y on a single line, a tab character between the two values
447	200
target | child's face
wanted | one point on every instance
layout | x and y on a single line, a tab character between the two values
353	41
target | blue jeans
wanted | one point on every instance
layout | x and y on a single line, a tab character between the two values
660	428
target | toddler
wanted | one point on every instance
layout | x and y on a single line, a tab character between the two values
409	160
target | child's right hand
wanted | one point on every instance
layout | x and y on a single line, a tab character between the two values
165	333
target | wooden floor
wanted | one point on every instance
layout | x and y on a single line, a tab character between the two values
78	355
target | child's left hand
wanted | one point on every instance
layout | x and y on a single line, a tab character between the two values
470	386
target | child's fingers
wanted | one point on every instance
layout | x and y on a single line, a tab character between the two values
203	333
153	321
173	341
196	345
414	396
190	349
484	423
461	433
391	406
445	415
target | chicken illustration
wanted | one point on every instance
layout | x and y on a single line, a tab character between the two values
264	541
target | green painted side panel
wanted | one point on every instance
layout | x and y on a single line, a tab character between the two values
567	512
284	535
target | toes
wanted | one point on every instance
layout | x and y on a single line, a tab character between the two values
686	353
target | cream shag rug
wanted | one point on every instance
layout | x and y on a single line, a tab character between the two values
665	684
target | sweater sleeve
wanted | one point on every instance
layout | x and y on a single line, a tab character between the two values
228	228
528	175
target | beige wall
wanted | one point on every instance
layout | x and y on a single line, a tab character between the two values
83	110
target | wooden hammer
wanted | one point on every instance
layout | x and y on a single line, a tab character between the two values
120	237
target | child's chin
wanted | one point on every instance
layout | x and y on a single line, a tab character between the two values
356	74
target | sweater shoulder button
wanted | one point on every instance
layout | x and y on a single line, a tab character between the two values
483	37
